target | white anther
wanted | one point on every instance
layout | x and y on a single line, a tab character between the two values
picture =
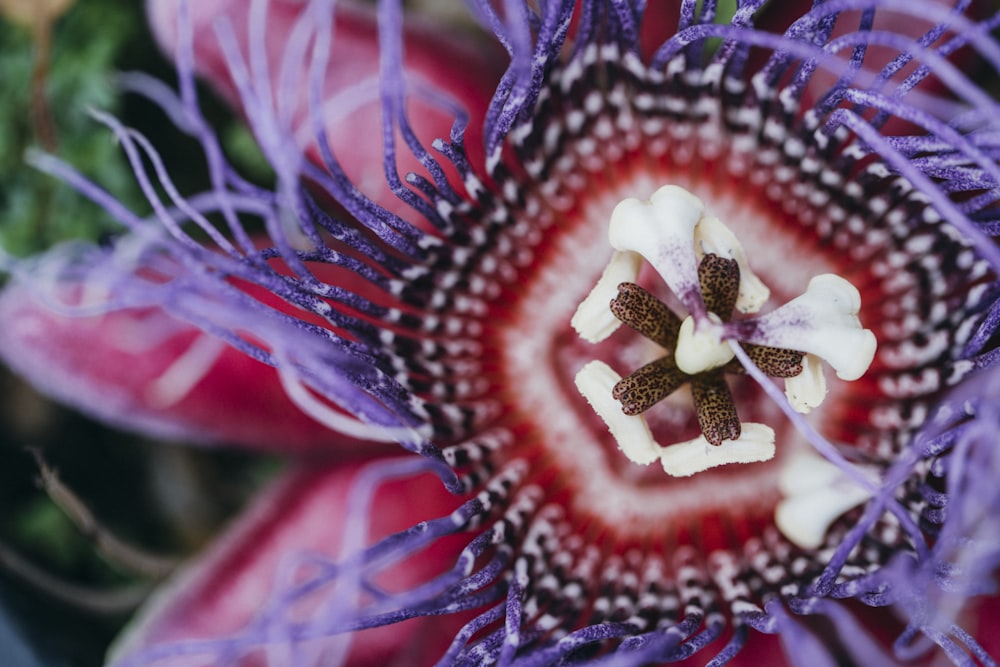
593	319
816	493
700	347
662	231
824	322
807	390
756	443
595	381
711	236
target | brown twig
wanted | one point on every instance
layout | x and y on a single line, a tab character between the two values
114	550
96	600
41	112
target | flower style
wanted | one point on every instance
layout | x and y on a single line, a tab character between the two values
440	211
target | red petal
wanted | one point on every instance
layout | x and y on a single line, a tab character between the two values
143	370
982	620
354	123
304	512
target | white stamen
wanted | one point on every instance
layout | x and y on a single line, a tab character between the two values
756	443
595	381
807	390
662	231
593	319
712	236
823	321
816	493
671	233
700	347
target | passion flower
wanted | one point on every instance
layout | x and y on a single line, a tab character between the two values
834	159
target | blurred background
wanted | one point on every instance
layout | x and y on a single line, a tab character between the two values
61	600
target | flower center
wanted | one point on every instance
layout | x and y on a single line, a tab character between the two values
705	267
540	354
802	202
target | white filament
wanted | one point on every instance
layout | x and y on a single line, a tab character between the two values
593	320
816	492
807	390
595	382
823	321
631	432
661	229
756	443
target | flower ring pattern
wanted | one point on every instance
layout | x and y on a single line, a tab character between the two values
400	302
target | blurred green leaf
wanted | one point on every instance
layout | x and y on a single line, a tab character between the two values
241	147
47	530
35	210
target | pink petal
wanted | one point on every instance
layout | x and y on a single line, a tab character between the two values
303	512
353	117
143	370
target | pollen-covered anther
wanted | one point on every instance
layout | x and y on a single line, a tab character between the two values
646	314
713	238
647	386
713	403
776	362
731	442
719	278
700	344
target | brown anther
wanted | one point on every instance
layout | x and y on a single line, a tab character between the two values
776	362
719	279
646	314
720	284
714	406
649	385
